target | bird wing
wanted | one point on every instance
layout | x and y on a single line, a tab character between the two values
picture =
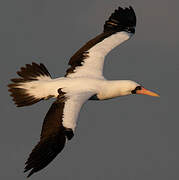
58	126
88	61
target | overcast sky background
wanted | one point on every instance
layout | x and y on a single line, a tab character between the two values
128	138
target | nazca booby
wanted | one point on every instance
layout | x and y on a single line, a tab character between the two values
83	81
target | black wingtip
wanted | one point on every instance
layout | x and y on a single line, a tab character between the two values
31	172
44	152
122	19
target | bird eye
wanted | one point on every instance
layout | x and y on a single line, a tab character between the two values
137	88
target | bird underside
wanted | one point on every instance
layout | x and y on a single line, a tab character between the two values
83	81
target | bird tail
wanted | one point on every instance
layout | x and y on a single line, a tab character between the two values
29	88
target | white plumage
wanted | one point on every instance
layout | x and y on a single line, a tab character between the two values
83	81
72	108
93	65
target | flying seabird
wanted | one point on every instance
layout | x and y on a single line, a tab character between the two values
83	81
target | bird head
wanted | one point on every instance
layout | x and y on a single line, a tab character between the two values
127	87
141	90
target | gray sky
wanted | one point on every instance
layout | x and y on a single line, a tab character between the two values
128	138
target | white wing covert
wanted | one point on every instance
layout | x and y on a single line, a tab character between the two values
58	126
60	121
88	61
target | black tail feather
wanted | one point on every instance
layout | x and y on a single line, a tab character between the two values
21	97
31	72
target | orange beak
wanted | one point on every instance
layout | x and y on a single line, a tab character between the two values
147	92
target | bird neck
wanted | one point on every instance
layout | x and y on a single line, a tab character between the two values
116	88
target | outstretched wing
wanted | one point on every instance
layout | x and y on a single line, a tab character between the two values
88	61
58	126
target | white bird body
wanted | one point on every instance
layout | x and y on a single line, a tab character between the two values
104	89
83	81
